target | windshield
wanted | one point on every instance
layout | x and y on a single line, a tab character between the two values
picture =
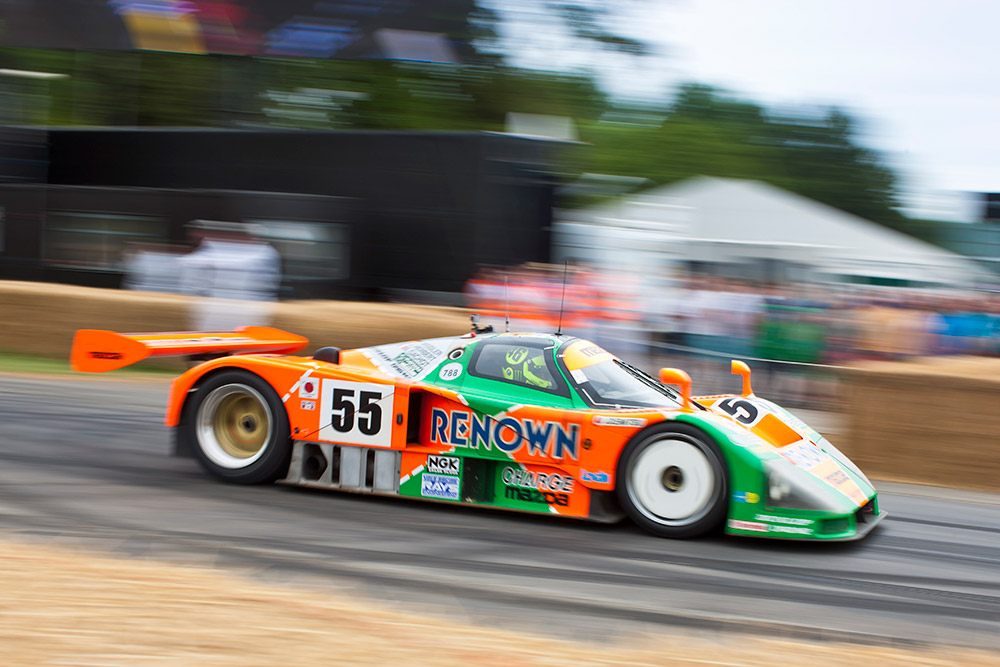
615	384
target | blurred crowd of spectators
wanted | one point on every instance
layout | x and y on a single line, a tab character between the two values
714	316
235	273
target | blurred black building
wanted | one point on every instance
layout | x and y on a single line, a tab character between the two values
990	206
354	214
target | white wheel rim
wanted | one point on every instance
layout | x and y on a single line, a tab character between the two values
672	463
206	427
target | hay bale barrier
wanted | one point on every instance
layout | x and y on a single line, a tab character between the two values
931	421
40	318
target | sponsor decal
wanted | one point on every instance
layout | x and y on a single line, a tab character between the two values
439	486
604	420
804	454
746	497
106	355
736	524
789	520
526	479
462	428
536	496
412	360
444	465
307	405
582	354
450	371
769	523
600	477
212	340
309	389
782	525
838	477
793	530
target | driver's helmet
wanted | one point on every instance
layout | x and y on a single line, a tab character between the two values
517	355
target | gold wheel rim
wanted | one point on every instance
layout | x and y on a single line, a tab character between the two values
234	426
241	425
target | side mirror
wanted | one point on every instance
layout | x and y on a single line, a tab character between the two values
676	376
740	368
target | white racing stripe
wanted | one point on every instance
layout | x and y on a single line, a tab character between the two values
416	471
295	386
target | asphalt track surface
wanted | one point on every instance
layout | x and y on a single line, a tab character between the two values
85	462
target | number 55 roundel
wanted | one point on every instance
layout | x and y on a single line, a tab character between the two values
358	413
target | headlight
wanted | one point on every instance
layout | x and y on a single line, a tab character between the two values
791	488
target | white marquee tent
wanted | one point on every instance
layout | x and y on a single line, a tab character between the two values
727	220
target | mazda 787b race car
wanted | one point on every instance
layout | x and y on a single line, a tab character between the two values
543	423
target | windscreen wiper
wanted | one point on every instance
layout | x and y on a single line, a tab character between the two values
649	380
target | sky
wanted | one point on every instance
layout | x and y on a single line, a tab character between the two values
922	76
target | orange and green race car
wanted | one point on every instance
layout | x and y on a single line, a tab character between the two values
542	423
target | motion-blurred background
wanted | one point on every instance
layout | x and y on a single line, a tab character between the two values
811	186
803	186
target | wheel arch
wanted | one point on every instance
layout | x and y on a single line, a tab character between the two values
269	458
182	391
184	387
712	431
715	434
190	380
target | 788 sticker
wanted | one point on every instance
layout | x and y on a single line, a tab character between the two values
450	371
358	413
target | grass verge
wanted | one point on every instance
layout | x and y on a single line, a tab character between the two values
11	362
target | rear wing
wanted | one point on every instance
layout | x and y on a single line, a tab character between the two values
97	351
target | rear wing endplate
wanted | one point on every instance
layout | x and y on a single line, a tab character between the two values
97	351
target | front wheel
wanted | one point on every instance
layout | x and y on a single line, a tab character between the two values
239	428
672	481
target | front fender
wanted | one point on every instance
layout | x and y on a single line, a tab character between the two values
743	451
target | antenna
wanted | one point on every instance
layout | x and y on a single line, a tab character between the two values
506	307
562	302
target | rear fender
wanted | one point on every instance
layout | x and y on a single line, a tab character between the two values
280	372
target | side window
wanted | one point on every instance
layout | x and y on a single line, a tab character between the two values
524	365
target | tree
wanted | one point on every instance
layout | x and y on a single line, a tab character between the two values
585	24
821	159
705	132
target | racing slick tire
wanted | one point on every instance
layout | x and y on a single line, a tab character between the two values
673	481
239	428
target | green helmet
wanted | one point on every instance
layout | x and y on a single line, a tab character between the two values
517	355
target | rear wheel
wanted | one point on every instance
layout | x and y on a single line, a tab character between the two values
239	428
672	481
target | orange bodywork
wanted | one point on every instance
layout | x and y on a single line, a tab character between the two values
541	454
498	420
600	434
98	351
